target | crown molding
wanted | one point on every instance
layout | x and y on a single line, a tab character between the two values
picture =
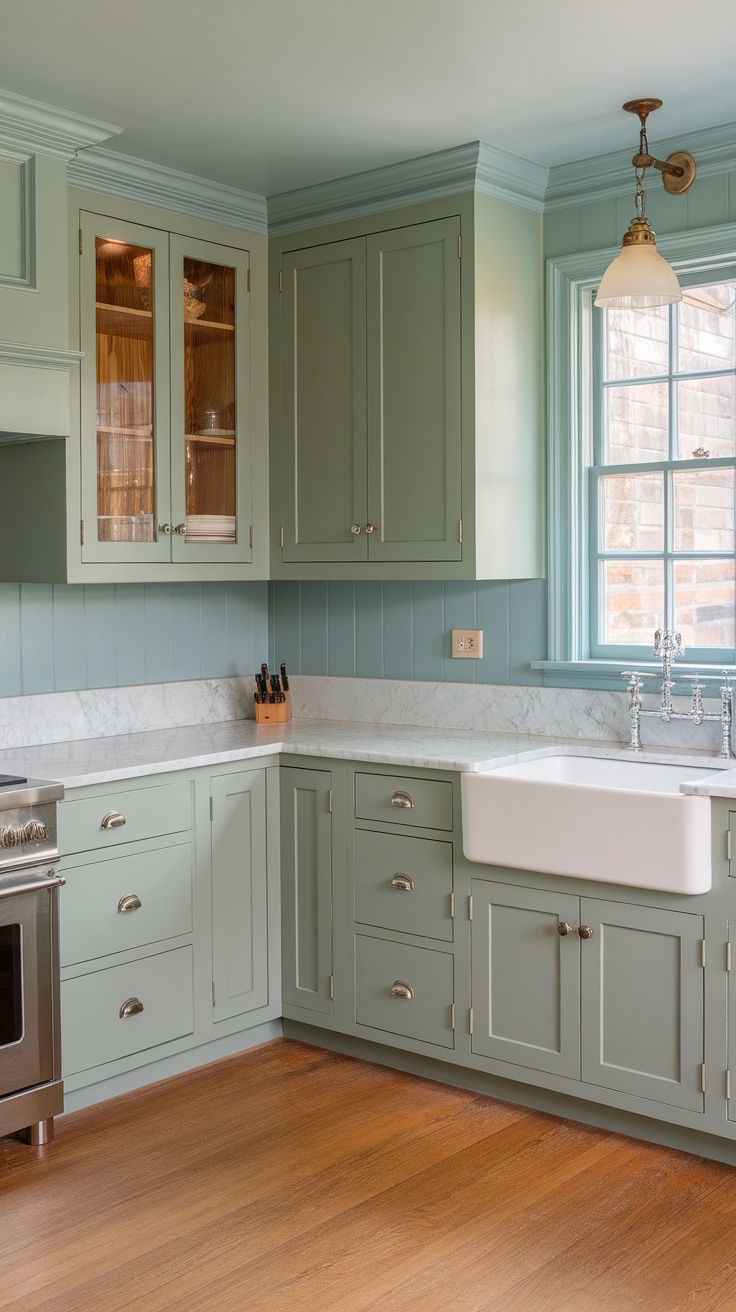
29	126
473	166
44	357
603	177
115	174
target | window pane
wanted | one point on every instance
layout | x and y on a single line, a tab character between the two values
703	510
636	343
636	424
704	602
632	512
706	328
706	416
632	601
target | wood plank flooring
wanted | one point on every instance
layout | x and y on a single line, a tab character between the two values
288	1178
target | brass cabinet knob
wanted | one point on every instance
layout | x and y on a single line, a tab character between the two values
165	528
112	820
131	1007
129	902
585	931
563	928
355	528
402	799
402	990
181	529
402	881
371	528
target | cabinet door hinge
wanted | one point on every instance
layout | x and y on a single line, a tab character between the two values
452	906
452	1016
728	1085
81	532
470	908
728	956
213	993
702	952
247	287
702	1077
80	241
459	530
332	987
281	280
211	808
250	537
470	1020
282	535
728	844
329	801
459	245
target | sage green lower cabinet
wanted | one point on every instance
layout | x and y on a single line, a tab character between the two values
525	980
405	990
239	894
169	936
619	1005
306	890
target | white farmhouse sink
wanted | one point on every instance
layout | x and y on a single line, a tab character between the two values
621	822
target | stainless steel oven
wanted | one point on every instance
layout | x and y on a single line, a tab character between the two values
31	1090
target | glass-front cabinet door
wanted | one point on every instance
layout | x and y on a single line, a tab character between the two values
165	398
125	391
210	470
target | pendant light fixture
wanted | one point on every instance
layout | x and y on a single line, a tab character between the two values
639	277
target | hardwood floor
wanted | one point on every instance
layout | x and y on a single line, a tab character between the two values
292	1178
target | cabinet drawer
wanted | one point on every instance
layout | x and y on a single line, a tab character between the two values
380	966
93	1031
98	912
146	812
422	803
403	883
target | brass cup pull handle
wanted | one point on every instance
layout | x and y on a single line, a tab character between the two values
355	528
130	902
402	990
563	928
402	881
131	1007
181	529
112	820
585	931
165	528
402	799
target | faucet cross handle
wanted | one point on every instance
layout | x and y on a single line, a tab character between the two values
668	644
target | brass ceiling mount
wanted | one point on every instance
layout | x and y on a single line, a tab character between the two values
678	170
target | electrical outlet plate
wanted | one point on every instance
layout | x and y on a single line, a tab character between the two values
467	643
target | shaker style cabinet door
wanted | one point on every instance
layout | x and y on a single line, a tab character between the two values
643	1001
239	893
323	464
414	380
124	311
525	980
306	891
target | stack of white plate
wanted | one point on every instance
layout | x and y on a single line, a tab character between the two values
210	528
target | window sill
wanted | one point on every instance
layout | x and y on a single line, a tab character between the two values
607	674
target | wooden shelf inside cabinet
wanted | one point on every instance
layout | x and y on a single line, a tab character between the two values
124	321
217	439
142	434
200	332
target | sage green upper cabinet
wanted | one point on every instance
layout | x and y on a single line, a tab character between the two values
164	476
406	370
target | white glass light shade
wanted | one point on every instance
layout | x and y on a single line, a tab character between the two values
638	278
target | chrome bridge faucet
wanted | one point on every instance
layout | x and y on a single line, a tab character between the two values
669	646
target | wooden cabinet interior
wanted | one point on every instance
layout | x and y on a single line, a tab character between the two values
209	398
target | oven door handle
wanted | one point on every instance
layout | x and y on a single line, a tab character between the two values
36	886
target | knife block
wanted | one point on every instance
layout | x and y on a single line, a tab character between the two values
273	712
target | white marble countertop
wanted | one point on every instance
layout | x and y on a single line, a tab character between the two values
127	756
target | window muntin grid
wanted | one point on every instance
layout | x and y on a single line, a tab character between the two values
661	512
